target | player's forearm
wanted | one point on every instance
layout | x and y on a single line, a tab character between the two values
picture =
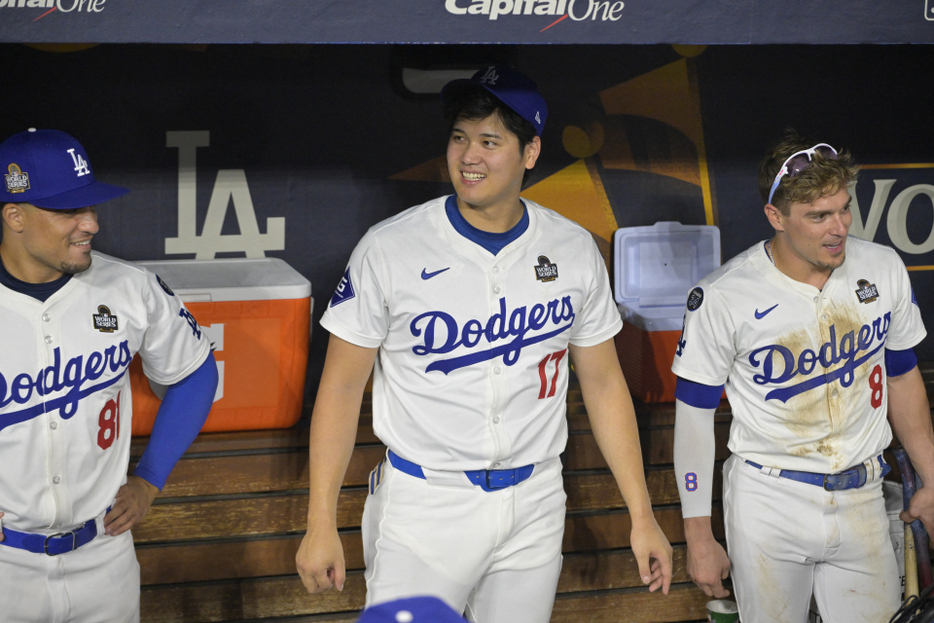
334	424
181	415
613	421
694	456
910	416
698	530
333	432
617	436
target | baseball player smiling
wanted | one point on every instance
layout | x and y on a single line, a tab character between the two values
71	321
811	333
470	307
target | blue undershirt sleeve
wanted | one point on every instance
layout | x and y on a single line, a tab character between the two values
180	417
898	362
697	394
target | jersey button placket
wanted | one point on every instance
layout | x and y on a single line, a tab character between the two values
498	377
831	392
51	336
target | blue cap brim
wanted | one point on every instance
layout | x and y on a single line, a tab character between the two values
92	194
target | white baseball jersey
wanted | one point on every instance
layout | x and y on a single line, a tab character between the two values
804	368
472	369
65	404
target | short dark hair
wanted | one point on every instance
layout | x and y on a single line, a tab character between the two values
474	103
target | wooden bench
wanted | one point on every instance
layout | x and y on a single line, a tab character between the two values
219	542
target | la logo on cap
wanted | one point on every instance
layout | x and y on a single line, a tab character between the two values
16	180
81	165
490	77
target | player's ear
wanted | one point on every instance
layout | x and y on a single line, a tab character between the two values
532	151
775	217
13	216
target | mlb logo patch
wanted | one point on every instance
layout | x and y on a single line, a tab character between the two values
344	290
16	180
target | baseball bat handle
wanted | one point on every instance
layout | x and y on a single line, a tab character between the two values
911	565
920	541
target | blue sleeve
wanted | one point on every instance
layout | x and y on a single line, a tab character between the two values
181	415
898	362
697	394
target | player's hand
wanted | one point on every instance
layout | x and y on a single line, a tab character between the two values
132	503
653	554
921	507
708	565
320	559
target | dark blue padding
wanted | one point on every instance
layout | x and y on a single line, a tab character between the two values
898	362
697	394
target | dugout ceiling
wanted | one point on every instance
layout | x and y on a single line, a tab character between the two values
468	21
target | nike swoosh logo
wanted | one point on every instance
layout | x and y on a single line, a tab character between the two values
427	275
761	315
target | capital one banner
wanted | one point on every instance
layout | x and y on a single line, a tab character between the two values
468	21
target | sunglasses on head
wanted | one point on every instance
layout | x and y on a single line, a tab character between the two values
799	161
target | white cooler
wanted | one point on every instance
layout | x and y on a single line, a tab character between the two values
655	268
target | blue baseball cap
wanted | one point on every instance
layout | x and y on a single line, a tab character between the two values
515	89
423	609
50	169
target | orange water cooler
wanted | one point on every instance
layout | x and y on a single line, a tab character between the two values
257	315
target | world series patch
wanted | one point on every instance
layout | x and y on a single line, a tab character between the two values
695	298
104	320
16	180
867	292
545	270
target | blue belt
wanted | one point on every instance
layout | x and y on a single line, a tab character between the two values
51	545
486	479
852	478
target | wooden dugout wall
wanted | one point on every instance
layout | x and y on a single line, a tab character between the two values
219	542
